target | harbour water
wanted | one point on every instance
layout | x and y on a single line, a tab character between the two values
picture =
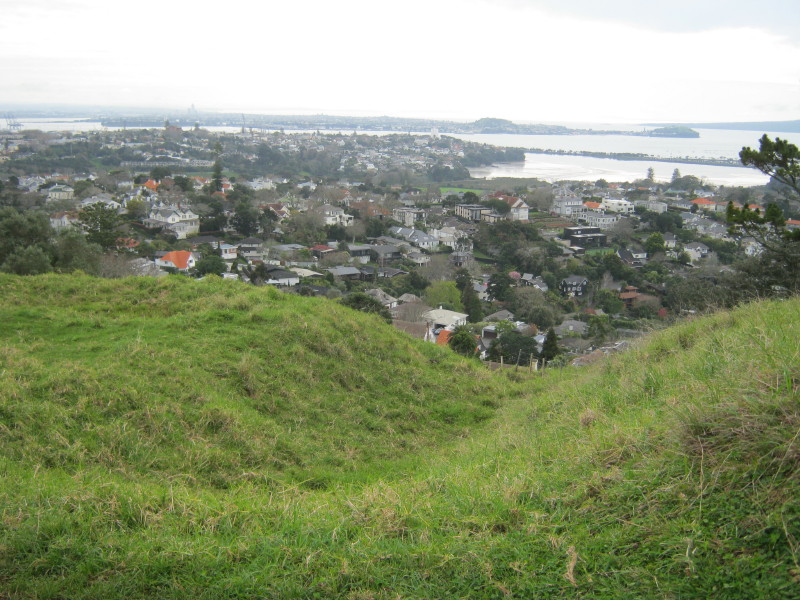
712	144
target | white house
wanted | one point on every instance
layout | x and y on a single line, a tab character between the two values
567	206
60	192
333	215
471	212
63	220
447	319
408	216
181	221
600	219
617	205
697	250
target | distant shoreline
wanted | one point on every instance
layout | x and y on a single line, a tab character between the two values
718	162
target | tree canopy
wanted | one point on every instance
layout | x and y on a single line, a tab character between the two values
368	304
100	222
777	265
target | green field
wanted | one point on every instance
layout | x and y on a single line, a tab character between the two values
446	191
175	438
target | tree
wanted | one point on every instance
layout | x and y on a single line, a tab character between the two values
136	208
159	173
73	251
514	348
100	222
30	260
550	347
779	159
472	304
654	244
22	230
779	262
531	305
600	328
676	174
364	303
462	278
651	174
444	294
462	341
608	301
210	264
622	231
246	219
499	287
216	177
183	183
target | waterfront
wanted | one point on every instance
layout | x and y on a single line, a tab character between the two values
559	167
712	144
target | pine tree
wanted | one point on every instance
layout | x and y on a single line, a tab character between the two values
550	347
472	304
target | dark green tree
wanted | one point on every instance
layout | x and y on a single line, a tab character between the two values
462	279
654	244
600	328
23	230
216	177
514	348
550	347
246	219
364	303
608	302
183	183
472	304
159	173
136	209
778	265
31	260
101	223
74	252
462	341
210	264
499	287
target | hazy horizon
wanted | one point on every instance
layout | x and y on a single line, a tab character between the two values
533	61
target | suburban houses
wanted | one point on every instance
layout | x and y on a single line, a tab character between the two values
557	256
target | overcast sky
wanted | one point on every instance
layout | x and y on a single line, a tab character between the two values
613	61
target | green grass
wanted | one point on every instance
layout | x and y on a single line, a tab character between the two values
145	453
446	191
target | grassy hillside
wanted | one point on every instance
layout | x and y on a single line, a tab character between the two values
175	439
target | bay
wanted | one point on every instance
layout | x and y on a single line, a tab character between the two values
552	168
712	144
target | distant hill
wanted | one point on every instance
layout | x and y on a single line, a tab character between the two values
175	438
487	125
674	131
762	126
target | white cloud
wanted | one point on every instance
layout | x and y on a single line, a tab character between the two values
520	60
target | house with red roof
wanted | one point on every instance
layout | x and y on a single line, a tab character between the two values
705	204
182	260
517	209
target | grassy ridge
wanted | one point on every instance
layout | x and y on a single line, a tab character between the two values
215	382
667	472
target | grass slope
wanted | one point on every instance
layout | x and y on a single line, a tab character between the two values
667	472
